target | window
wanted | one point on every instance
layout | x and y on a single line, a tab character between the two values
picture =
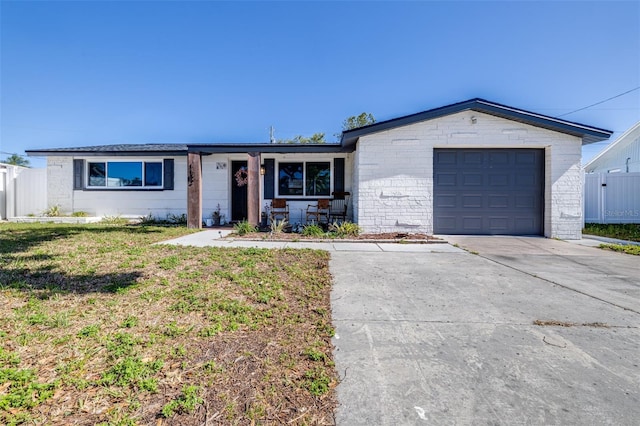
318	180
310	179
125	174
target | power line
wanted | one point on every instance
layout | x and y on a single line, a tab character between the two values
601	102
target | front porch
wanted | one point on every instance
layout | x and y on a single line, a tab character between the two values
241	184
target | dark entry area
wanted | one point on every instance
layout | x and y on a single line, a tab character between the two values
238	191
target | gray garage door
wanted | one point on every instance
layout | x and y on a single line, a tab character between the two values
488	191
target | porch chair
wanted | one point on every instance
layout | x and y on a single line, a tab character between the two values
279	210
315	212
339	206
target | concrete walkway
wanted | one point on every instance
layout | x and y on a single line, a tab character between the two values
214	238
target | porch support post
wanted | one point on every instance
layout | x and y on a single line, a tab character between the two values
253	188
194	190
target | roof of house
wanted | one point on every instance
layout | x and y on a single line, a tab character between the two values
119	149
627	138
349	138
587	133
183	149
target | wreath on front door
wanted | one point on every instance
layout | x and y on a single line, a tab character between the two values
242	177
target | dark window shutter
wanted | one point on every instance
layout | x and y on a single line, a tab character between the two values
168	173
338	175
269	178
78	174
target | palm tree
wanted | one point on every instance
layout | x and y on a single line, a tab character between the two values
17	160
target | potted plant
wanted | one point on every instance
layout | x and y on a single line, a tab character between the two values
216	216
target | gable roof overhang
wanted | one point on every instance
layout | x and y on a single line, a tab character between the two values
588	134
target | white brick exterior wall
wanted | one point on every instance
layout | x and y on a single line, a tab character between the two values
60	183
393	171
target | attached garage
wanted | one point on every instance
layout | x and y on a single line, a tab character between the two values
475	167
488	191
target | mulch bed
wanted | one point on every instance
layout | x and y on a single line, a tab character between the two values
292	236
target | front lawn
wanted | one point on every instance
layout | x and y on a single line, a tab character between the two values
99	326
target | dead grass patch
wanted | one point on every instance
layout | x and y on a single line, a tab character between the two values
100	326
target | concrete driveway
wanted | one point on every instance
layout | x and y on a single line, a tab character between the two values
449	338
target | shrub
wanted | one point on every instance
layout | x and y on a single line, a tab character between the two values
79	214
177	219
114	220
277	226
53	211
148	220
313	231
345	229
244	227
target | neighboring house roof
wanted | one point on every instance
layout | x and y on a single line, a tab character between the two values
6	166
616	148
587	133
120	149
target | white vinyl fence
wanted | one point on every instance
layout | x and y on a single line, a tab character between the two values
612	198
23	191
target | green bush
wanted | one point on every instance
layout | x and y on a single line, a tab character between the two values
79	214
177	219
244	227
313	231
345	229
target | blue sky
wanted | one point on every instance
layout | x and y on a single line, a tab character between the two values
88	72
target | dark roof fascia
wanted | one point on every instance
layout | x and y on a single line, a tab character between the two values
588	134
151	149
268	148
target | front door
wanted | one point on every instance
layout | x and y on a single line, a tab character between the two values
238	191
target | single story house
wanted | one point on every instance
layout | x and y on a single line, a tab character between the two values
620	156
474	167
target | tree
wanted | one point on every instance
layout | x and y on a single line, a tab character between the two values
315	138
17	160
349	123
356	121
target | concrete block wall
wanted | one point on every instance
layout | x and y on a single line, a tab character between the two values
60	183
394	181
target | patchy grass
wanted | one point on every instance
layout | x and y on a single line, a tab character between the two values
629	232
556	323
629	249
99	326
